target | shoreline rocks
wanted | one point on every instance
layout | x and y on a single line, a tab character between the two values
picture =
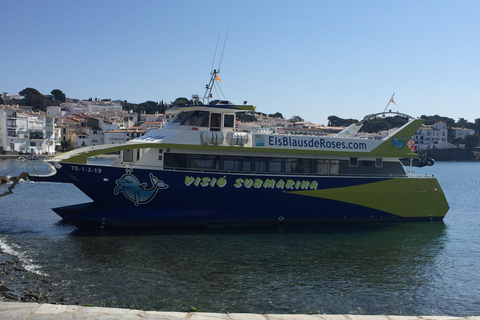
17	284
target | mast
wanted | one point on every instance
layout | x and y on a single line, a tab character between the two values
214	74
209	86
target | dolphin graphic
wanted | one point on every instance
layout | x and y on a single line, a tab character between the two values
397	143
136	191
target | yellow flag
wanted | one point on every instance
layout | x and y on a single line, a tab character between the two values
393	101
218	78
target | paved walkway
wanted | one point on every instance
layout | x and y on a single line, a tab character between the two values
33	311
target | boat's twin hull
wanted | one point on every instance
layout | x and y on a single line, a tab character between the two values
126	197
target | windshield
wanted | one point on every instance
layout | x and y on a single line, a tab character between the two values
192	118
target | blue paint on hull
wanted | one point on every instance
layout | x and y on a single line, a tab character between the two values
206	198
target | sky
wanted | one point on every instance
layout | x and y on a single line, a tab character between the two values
307	58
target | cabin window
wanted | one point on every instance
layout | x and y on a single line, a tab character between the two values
353	162
367	163
176	160
193	118
298	165
378	163
327	166
232	163
274	164
215	121
127	155
199	161
251	164
229	121
260	164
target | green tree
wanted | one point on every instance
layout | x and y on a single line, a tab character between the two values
429	120
58	95
148	107
66	145
162	107
296	119
471	142
375	125
33	98
462	123
181	101
396	121
334	121
127	106
477	126
276	115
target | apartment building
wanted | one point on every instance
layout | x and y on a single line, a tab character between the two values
24	131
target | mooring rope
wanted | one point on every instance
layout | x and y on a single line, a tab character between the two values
15	180
4	179
12	168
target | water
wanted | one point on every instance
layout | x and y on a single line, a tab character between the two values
421	268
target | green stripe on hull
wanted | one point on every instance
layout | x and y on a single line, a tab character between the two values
404	197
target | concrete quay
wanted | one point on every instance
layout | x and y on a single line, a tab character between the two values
34	311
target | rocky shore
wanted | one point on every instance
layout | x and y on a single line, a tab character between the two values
20	285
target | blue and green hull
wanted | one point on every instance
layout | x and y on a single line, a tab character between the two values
125	197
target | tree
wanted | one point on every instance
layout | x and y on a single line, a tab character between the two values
148	107
276	115
471	142
127	106
66	145
296	119
162	107
462	123
58	95
180	101
334	121
375	125
429	120
33	98
396	121
477	126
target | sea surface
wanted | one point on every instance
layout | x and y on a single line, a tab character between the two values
420	268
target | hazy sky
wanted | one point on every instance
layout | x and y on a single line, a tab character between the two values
307	58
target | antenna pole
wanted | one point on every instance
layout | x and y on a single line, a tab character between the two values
214	72
215	54
389	102
223	51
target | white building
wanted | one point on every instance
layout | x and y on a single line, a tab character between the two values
86	137
7	96
102	107
122	136
432	137
462	133
28	132
56	112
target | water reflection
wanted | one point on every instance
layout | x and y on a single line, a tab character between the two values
335	269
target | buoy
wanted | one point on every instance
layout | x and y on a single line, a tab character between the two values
411	145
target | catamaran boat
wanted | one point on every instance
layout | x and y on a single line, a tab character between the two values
201	170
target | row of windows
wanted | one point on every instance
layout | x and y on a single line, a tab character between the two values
204	119
251	164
